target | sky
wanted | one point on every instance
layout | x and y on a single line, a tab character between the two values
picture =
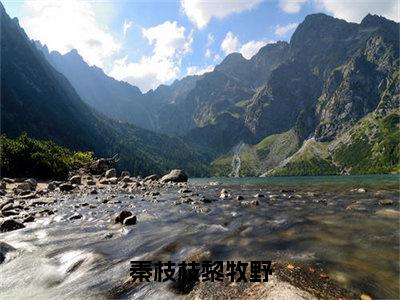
153	42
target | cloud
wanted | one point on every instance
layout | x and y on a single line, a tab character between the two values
126	26
282	30
210	39
208	53
232	44
251	48
200	12
196	70
355	11
67	25
170	44
291	6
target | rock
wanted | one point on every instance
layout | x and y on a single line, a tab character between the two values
312	194
66	187
125	174
287	191
24	186
113	180
28	219
388	213
9	225
75	179
32	182
75	216
111	173
250	203
90	182
94	192
131	220
186	200
8	180
3	185
356	206
154	194
259	196
4	249
51	186
9	212
184	191
386	202
151	178
122	216
175	176
239	197
103	181
361	190
126	179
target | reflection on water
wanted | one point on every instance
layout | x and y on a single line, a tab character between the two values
317	221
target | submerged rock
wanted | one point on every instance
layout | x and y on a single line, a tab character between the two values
122	216
386	202
239	197
131	220
75	216
175	175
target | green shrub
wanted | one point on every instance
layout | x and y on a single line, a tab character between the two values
26	157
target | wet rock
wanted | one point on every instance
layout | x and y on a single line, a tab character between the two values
131	220
90	182
239	197
126	179
66	187
9	225
356	206
75	216
388	213
259	196
8	180
4	249
186	200
131	196
175	176
94	192
28	219
154	194
113	180
24	186
10	212
361	190
32	182
75	179
205	200
250	203
386	202
119	218
6	203
111	173
184	191
3	185
151	178
312	194
103	181
51	186
287	191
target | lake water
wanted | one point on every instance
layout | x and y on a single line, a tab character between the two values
314	221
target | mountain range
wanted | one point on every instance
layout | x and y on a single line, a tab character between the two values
327	102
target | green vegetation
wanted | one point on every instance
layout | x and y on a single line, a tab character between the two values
372	146
26	157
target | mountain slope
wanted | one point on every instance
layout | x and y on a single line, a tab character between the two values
40	101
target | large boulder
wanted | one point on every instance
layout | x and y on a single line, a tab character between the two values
175	176
32	182
119	218
111	173
66	187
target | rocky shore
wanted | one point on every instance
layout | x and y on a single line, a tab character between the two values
87	194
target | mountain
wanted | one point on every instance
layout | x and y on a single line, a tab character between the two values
331	107
39	100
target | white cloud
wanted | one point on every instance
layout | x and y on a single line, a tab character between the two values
232	44
170	45
196	70
291	6
282	30
208	53
251	48
126	26
66	25
355	11
210	39
200	12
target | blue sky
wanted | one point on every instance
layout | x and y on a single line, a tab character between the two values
148	43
